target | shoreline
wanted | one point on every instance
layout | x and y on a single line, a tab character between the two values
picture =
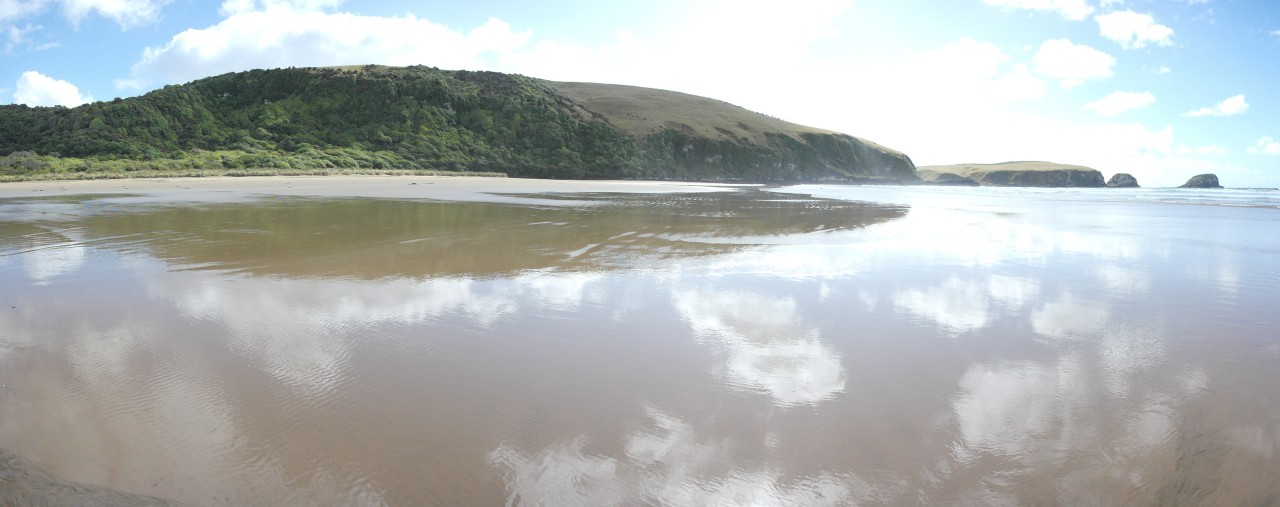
447	188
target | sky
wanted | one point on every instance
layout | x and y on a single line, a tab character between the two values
1161	89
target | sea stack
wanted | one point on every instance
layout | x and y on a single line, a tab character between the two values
1202	181
1122	180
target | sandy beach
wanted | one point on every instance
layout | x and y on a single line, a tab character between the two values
454	188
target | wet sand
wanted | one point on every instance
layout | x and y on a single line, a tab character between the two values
450	188
601	344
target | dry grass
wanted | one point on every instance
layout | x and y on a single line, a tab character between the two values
971	170
644	111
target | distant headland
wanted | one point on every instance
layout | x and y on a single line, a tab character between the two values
1016	174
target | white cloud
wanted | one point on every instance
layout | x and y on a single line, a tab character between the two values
1120	102
1075	10
1230	107
1211	149
1163	70
233	7
688	53
1133	30
126	13
1266	145
36	89
279	34
16	37
1073	64
979	68
19	9
129	84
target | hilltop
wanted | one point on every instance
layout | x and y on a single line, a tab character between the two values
1017	174
416	119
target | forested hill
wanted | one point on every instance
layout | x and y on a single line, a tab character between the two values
413	118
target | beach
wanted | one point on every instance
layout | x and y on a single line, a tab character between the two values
435	340
458	188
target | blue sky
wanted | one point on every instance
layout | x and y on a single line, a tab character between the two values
1162	89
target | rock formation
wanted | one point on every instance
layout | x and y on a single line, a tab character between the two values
1202	181
1122	180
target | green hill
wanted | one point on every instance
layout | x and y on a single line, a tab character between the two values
426	119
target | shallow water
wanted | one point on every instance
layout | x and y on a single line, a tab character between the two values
962	346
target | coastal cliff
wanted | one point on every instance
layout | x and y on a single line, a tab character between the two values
422	118
1018	174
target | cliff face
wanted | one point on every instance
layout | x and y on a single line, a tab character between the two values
1021	174
933	177
1202	181
692	134
374	117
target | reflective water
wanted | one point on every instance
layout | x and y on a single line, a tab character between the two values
957	347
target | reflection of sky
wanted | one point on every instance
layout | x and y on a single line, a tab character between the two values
664	463
1072	356
766	345
48	262
1042	423
301	329
955	306
1068	318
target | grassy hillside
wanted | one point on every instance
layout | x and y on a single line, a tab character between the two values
641	112
424	119
1019	174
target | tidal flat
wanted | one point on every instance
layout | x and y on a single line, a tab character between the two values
437	341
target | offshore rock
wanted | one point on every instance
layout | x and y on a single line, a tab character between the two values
1202	181
1122	180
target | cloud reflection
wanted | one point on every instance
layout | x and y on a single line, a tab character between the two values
767	347
51	261
959	306
301	329
1028	426
1006	409
955	306
1068	318
665	462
